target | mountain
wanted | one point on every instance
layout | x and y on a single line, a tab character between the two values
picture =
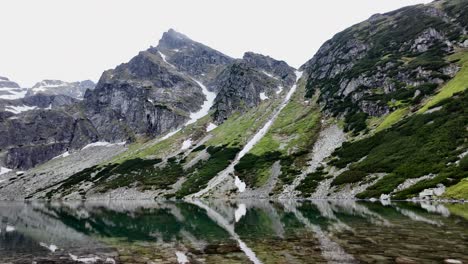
379	112
56	87
389	62
10	90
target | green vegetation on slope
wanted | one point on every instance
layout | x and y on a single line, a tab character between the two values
289	140
457	84
220	158
416	146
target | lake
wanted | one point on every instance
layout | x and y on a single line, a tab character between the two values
214	231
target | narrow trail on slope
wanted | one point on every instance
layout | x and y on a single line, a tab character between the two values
224	223
250	144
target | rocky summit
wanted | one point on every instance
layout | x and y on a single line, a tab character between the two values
379	112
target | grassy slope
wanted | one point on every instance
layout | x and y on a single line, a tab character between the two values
292	132
457	84
416	146
392	118
458	191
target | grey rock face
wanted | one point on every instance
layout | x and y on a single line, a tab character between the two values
278	69
387	58
240	87
145	96
57	87
40	135
188	56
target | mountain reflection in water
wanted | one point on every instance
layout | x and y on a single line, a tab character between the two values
215	231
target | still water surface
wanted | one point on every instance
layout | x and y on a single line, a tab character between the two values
233	232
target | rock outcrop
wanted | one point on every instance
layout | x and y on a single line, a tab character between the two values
245	83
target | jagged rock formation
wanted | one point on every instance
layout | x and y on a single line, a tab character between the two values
388	61
245	83
56	87
191	57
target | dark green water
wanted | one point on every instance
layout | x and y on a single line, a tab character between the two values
233	232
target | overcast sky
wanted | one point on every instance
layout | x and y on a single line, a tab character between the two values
79	39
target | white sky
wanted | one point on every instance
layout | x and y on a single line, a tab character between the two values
79	39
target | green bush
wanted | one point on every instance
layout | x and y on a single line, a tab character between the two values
349	176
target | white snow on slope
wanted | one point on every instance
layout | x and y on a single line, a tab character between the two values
186	144
52	247
102	144
240	212
240	184
170	134
181	257
13	93
63	155
19	109
263	96
4	170
252	142
210	127
207	104
10	228
280	89
164	59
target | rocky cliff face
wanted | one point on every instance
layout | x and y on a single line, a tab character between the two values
245	83
388	61
56	87
145	96
33	137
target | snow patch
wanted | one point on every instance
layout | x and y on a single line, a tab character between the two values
164	59
186	144
64	155
210	127
168	135
181	257
239	184
4	170
240	212
270	75
52	247
13	93
103	144
207	104
280	89
19	109
263	96
10	228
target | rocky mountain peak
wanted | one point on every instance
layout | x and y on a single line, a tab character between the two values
173	40
188	56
